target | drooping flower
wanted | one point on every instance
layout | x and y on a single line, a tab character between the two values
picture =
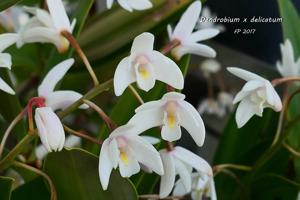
6	40
45	27
188	39
131	5
206	22
145	66
50	129
256	95
180	161
58	99
171	112
288	67
126	149
202	186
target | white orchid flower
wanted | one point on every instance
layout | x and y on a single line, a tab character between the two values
257	94
211	107
70	142
131	5
205	20
145	66
13	18
210	66
180	161
6	40
126	149
58	99
183	33
202	185
288	67
46	27
50	129
225	99
171	112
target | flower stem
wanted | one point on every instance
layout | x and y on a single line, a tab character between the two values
170	46
220	167
291	149
85	60
155	196
280	81
41	173
136	94
9	158
90	95
82	135
10	128
108	121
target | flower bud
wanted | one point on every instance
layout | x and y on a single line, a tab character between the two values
50	129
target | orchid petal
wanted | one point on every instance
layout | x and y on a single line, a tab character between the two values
272	97
59	15
5	60
179	189
146	154
188	20
244	74
203	35
244	112
253	85
184	175
150	105
173	96
167	71
130	168
54	76
7	39
147	83
124	76
193	160
194	48
60	100
192	122
168	179
151	140
109	3
171	134
114	153
5	87
125	5
140	4
142	43
105	166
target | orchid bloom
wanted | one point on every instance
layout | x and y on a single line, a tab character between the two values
202	185
210	66
183	33
171	112
6	40
225	99
13	18
129	151
211	107
180	161
204	21
58	99
131	5
257	94
289	67
50	129
46	27
145	66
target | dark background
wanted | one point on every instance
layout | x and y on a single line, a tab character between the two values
264	44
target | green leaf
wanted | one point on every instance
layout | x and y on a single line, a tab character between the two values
4	4
75	176
5	187
272	186
35	189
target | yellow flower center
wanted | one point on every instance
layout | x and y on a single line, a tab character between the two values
143	72
124	157
171	114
